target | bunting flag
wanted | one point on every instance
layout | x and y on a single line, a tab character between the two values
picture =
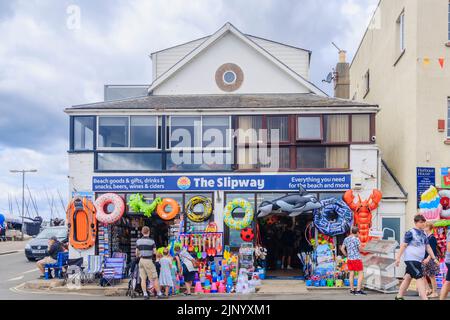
427	61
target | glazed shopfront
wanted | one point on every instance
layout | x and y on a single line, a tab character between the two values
220	190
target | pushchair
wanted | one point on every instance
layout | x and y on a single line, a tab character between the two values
134	285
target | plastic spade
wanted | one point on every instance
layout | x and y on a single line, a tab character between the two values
204	255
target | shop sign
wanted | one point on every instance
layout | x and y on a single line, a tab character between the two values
311	182
425	178
83	194
445	178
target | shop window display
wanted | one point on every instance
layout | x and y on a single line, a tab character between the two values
234	236
198	226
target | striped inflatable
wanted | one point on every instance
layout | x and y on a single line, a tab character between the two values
323	216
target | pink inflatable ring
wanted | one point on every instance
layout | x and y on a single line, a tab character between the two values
102	203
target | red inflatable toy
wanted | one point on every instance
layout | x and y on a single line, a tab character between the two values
247	234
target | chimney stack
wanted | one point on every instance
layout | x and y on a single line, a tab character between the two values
342	77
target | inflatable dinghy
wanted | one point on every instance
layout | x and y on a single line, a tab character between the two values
82	223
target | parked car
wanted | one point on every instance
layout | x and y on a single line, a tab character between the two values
36	248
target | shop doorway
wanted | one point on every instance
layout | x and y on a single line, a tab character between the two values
284	238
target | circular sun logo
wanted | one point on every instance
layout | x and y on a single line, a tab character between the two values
183	183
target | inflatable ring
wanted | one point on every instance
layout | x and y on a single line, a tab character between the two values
241	223
195	217
161	209
322	219
102	203
445	196
81	223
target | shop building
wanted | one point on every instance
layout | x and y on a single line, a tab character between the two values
402	65
225	82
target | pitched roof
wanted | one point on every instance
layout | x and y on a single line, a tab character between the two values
225	101
228	27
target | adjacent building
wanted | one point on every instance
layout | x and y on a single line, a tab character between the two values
402	65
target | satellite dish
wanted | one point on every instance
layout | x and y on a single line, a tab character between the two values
329	78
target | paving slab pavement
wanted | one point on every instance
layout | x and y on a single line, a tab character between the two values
7	247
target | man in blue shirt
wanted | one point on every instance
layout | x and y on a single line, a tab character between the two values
414	246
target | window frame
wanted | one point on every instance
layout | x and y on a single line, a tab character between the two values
366	83
297	128
72	134
371	128
200	148
129	148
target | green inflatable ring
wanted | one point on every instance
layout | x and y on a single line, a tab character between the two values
241	223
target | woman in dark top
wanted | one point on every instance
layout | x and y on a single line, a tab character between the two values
430	268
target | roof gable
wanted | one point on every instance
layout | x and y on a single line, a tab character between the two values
229	28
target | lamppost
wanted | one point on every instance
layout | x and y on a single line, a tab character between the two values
23	191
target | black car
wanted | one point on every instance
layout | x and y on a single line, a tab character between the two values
36	249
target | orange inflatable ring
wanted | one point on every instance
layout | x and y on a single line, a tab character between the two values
82	223
102	203
161	209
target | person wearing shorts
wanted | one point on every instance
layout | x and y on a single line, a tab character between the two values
54	247
287	243
350	248
415	245
446	287
145	248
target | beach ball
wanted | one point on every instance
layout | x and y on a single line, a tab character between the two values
247	234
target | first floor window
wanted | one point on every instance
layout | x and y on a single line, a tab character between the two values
83	133
322	157
129	161
144	131
309	128
361	128
250	129
113	132
336	128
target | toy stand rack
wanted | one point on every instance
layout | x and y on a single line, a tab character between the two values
378	265
246	253
206	234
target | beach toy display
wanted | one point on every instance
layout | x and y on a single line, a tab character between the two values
161	209
362	211
207	209
445	203
430	206
247	234
82	223
291	204
101	206
324	218
238	224
137	204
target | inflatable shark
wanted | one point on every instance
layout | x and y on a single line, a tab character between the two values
291	205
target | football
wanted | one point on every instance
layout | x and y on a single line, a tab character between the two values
247	234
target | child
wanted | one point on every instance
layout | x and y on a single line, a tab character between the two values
350	248
430	267
165	275
414	245
446	286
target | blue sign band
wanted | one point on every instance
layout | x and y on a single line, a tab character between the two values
311	182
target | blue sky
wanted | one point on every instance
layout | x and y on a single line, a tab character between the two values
46	66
